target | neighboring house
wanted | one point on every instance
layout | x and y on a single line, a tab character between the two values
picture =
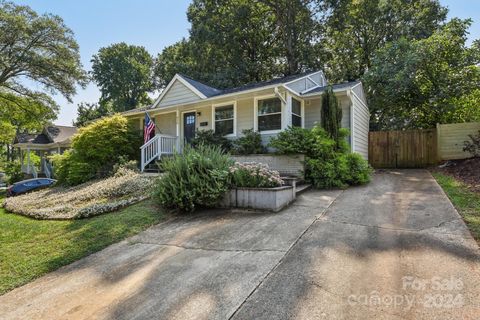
52	139
269	107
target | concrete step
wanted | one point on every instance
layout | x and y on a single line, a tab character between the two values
302	188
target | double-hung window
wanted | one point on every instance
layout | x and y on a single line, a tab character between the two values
224	120
269	114
296	113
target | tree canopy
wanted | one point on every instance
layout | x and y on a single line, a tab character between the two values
234	42
418	83
124	74
36	51
355	29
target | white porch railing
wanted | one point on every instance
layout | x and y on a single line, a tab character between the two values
30	169
159	145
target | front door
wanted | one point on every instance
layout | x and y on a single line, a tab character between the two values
189	120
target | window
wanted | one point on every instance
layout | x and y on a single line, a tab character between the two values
296	113
224	120
269	114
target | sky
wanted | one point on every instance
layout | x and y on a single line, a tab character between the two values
152	24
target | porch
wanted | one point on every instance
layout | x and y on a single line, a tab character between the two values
35	161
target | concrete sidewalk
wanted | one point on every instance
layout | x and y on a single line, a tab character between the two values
394	249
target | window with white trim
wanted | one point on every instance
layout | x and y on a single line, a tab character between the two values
224	120
269	114
296	113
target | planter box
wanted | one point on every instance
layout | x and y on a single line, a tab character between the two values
269	199
287	165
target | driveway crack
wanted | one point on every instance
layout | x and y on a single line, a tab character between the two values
206	249
401	229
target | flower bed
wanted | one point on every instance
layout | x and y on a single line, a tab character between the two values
255	186
85	200
254	175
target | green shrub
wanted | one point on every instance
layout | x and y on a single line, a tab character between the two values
96	149
249	143
210	138
359	171
70	170
328	164
103	142
294	140
324	174
13	171
199	177
254	175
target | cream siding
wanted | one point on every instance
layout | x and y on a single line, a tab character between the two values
166	123
244	115
361	122
313	110
178	93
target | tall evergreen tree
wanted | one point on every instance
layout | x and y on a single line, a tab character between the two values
331	114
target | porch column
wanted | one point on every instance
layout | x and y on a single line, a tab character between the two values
177	128
28	160
287	118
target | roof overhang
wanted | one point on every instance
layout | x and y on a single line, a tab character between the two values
179	78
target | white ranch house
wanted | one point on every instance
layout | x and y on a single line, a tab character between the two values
187	105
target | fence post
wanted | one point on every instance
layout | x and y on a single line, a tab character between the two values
439	134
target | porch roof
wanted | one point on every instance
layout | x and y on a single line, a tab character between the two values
51	136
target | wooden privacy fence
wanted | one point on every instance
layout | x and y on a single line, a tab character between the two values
451	138
419	148
402	149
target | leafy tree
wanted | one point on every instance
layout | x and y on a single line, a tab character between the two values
416	84
234	42
356	29
331	114
177	58
298	33
124	74
39	49
87	112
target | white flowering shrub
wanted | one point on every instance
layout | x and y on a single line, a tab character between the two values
89	199
254	175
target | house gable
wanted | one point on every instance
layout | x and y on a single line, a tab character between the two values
307	83
178	91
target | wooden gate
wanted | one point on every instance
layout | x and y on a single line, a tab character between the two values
402	149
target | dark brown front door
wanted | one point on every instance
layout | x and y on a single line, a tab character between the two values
189	120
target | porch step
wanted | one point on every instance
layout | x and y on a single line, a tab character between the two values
302	188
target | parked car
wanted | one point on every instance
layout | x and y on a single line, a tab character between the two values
29	185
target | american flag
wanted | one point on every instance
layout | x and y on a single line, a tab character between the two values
148	128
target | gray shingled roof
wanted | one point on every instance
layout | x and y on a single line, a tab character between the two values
55	134
61	133
32	138
212	92
203	88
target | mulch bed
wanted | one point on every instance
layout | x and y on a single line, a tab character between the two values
467	171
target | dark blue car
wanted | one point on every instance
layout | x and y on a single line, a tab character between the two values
29	185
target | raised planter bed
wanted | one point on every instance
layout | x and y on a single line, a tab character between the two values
269	199
286	165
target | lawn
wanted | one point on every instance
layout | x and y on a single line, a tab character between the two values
30	248
466	201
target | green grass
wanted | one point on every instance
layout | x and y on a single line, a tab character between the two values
30	248
465	201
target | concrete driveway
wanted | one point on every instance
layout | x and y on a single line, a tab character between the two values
393	249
